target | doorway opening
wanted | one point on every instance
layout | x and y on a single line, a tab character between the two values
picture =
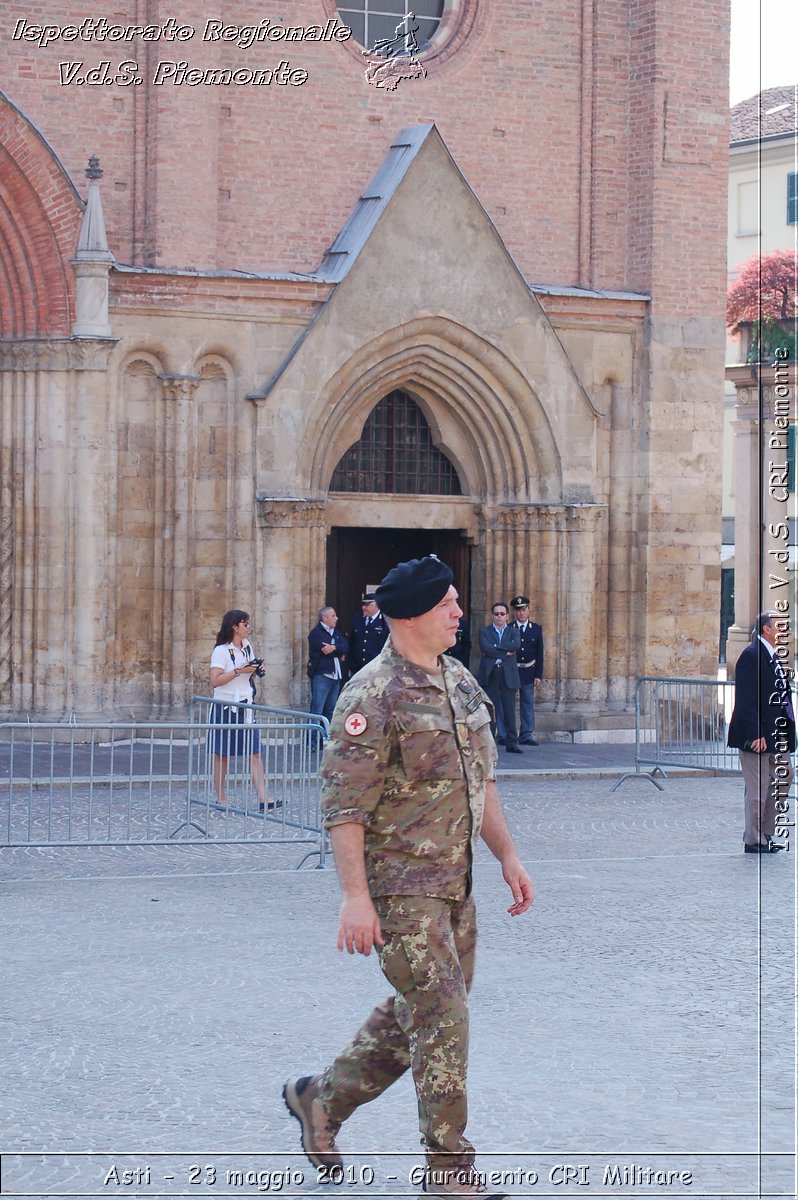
359	558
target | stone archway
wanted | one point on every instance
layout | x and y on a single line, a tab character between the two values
484	414
49	391
486	417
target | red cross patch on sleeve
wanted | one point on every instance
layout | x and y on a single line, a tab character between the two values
355	724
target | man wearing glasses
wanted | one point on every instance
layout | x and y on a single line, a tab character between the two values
498	670
530	666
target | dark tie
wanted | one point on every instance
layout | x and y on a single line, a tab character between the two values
783	686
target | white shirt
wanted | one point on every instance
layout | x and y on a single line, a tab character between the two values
237	688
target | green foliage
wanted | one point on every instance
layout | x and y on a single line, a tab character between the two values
768	336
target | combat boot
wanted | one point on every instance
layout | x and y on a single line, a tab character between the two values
318	1131
465	1184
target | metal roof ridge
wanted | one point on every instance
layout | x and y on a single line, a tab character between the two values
372	202
545	289
221	273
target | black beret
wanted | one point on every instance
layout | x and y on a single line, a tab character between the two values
412	588
520	601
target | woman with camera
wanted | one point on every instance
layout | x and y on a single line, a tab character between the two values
233	666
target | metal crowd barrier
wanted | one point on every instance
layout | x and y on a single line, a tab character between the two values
152	783
681	723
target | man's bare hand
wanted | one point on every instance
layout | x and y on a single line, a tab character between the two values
520	885
359	925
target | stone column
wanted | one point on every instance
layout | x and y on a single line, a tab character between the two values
746	523
92	660
558	553
291	569
549	556
585	537
54	573
178	533
763	508
8	524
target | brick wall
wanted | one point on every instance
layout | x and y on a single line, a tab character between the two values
595	140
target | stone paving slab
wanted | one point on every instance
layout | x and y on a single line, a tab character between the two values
639	1019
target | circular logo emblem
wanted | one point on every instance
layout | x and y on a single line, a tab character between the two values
355	724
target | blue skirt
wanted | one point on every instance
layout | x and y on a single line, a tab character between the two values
228	742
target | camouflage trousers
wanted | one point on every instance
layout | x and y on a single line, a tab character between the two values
428	957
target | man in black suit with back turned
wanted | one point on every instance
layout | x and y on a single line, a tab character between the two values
498	670
762	728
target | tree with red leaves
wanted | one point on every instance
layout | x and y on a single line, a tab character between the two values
763	296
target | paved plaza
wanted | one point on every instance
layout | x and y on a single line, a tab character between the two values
636	1026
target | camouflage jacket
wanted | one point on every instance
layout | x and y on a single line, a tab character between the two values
409	757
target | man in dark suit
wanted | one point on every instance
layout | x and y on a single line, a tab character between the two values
530	666
762	728
369	634
461	649
498	670
327	649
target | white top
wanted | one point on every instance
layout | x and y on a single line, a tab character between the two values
237	688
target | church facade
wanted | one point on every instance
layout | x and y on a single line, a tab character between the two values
310	311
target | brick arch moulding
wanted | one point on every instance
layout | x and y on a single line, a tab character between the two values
40	215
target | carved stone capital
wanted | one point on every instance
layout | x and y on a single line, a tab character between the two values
56	354
179	387
584	518
542	518
290	512
764	387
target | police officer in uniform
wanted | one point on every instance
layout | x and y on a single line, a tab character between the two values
407	789
530	666
369	634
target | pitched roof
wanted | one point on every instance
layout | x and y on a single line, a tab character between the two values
372	203
769	114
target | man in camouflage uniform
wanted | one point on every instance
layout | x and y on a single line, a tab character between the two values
408	786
